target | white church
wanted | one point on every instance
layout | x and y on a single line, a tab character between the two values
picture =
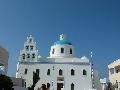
60	71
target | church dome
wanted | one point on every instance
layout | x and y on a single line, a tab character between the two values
62	42
62	48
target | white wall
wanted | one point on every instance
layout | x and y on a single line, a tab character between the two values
57	51
80	81
19	88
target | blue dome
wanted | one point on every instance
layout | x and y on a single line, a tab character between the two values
62	42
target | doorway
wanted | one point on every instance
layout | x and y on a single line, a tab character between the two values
59	86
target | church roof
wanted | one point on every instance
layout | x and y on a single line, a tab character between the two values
62	42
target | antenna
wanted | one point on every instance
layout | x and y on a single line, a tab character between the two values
92	73
91	55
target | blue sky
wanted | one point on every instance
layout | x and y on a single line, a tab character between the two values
88	24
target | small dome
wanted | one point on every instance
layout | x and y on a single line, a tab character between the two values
62	41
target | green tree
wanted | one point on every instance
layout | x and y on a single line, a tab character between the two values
5	83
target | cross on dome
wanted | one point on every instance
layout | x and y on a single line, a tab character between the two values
62	37
62	41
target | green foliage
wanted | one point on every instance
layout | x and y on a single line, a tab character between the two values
5	82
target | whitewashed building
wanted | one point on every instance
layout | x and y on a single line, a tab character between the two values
60	71
104	83
114	74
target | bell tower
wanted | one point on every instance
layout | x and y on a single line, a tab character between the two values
29	52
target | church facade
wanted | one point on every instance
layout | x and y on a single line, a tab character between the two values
60	71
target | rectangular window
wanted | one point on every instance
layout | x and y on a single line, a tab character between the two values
117	71
28	55
25	71
70	51
72	86
48	72
60	72
72	72
53	51
111	70
62	50
30	40
48	85
31	47
33	55
84	72
25	84
23	55
27	47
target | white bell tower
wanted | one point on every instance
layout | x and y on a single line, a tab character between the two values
29	52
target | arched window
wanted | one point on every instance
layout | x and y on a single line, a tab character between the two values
72	86
33	55
60	72
84	72
23	55
62	50
25	84
28	55
30	40
25	72
70	51
31	47
48	72
53	51
27	47
72	72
